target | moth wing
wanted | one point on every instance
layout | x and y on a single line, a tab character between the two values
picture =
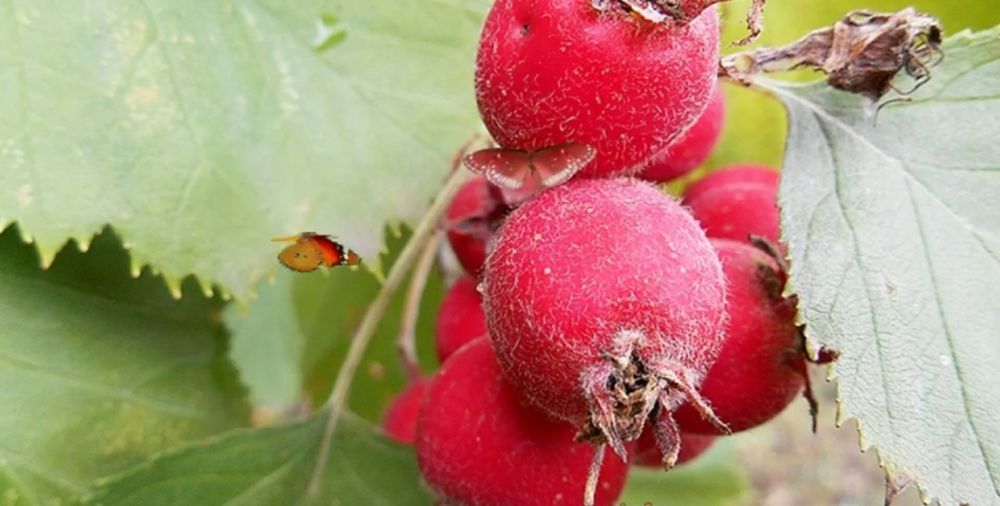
517	196
557	164
506	168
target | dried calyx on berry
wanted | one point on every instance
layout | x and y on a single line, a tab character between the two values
680	12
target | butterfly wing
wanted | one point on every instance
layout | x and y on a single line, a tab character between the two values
301	257
332	251
557	164
507	168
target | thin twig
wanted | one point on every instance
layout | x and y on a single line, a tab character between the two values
411	307
594	475
341	386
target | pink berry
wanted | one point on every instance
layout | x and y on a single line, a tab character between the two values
737	203
692	148
647	454
761	367
601	288
479	444
460	319
474	213
746	174
551	72
400	421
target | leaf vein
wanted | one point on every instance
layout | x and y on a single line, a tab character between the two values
991	467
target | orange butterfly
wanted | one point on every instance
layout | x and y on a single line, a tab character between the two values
311	250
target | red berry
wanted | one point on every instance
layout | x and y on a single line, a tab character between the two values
737	203
746	174
692	148
760	369
460	319
474	213
400	421
647	454
551	72
599	286
478	444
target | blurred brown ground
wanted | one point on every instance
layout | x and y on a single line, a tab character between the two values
788	465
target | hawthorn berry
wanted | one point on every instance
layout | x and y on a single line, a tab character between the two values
474	213
605	300
736	203
400	420
551	72
460	319
647	453
478	443
692	148
762	364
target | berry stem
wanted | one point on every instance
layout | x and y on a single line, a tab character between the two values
359	343
594	475
406	344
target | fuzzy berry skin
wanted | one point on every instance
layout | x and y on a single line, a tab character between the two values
460	319
479	444
596	273
400	420
550	72
692	148
648	455
737	202
760	370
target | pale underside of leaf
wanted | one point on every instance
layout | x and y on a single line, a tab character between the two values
894	238
201	129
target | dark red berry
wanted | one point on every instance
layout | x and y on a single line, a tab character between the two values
460	319
400	420
761	367
479	444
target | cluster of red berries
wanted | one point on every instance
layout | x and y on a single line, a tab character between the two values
600	312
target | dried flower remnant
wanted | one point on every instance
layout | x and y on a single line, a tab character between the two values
861	53
681	11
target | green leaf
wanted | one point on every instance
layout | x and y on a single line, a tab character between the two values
894	240
273	466
100	371
714	479
288	343
199	130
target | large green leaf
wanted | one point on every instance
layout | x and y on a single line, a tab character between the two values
288	343
273	466
99	371
714	479
755	126
201	129
894	236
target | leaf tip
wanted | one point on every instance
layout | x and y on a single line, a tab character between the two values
174	286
